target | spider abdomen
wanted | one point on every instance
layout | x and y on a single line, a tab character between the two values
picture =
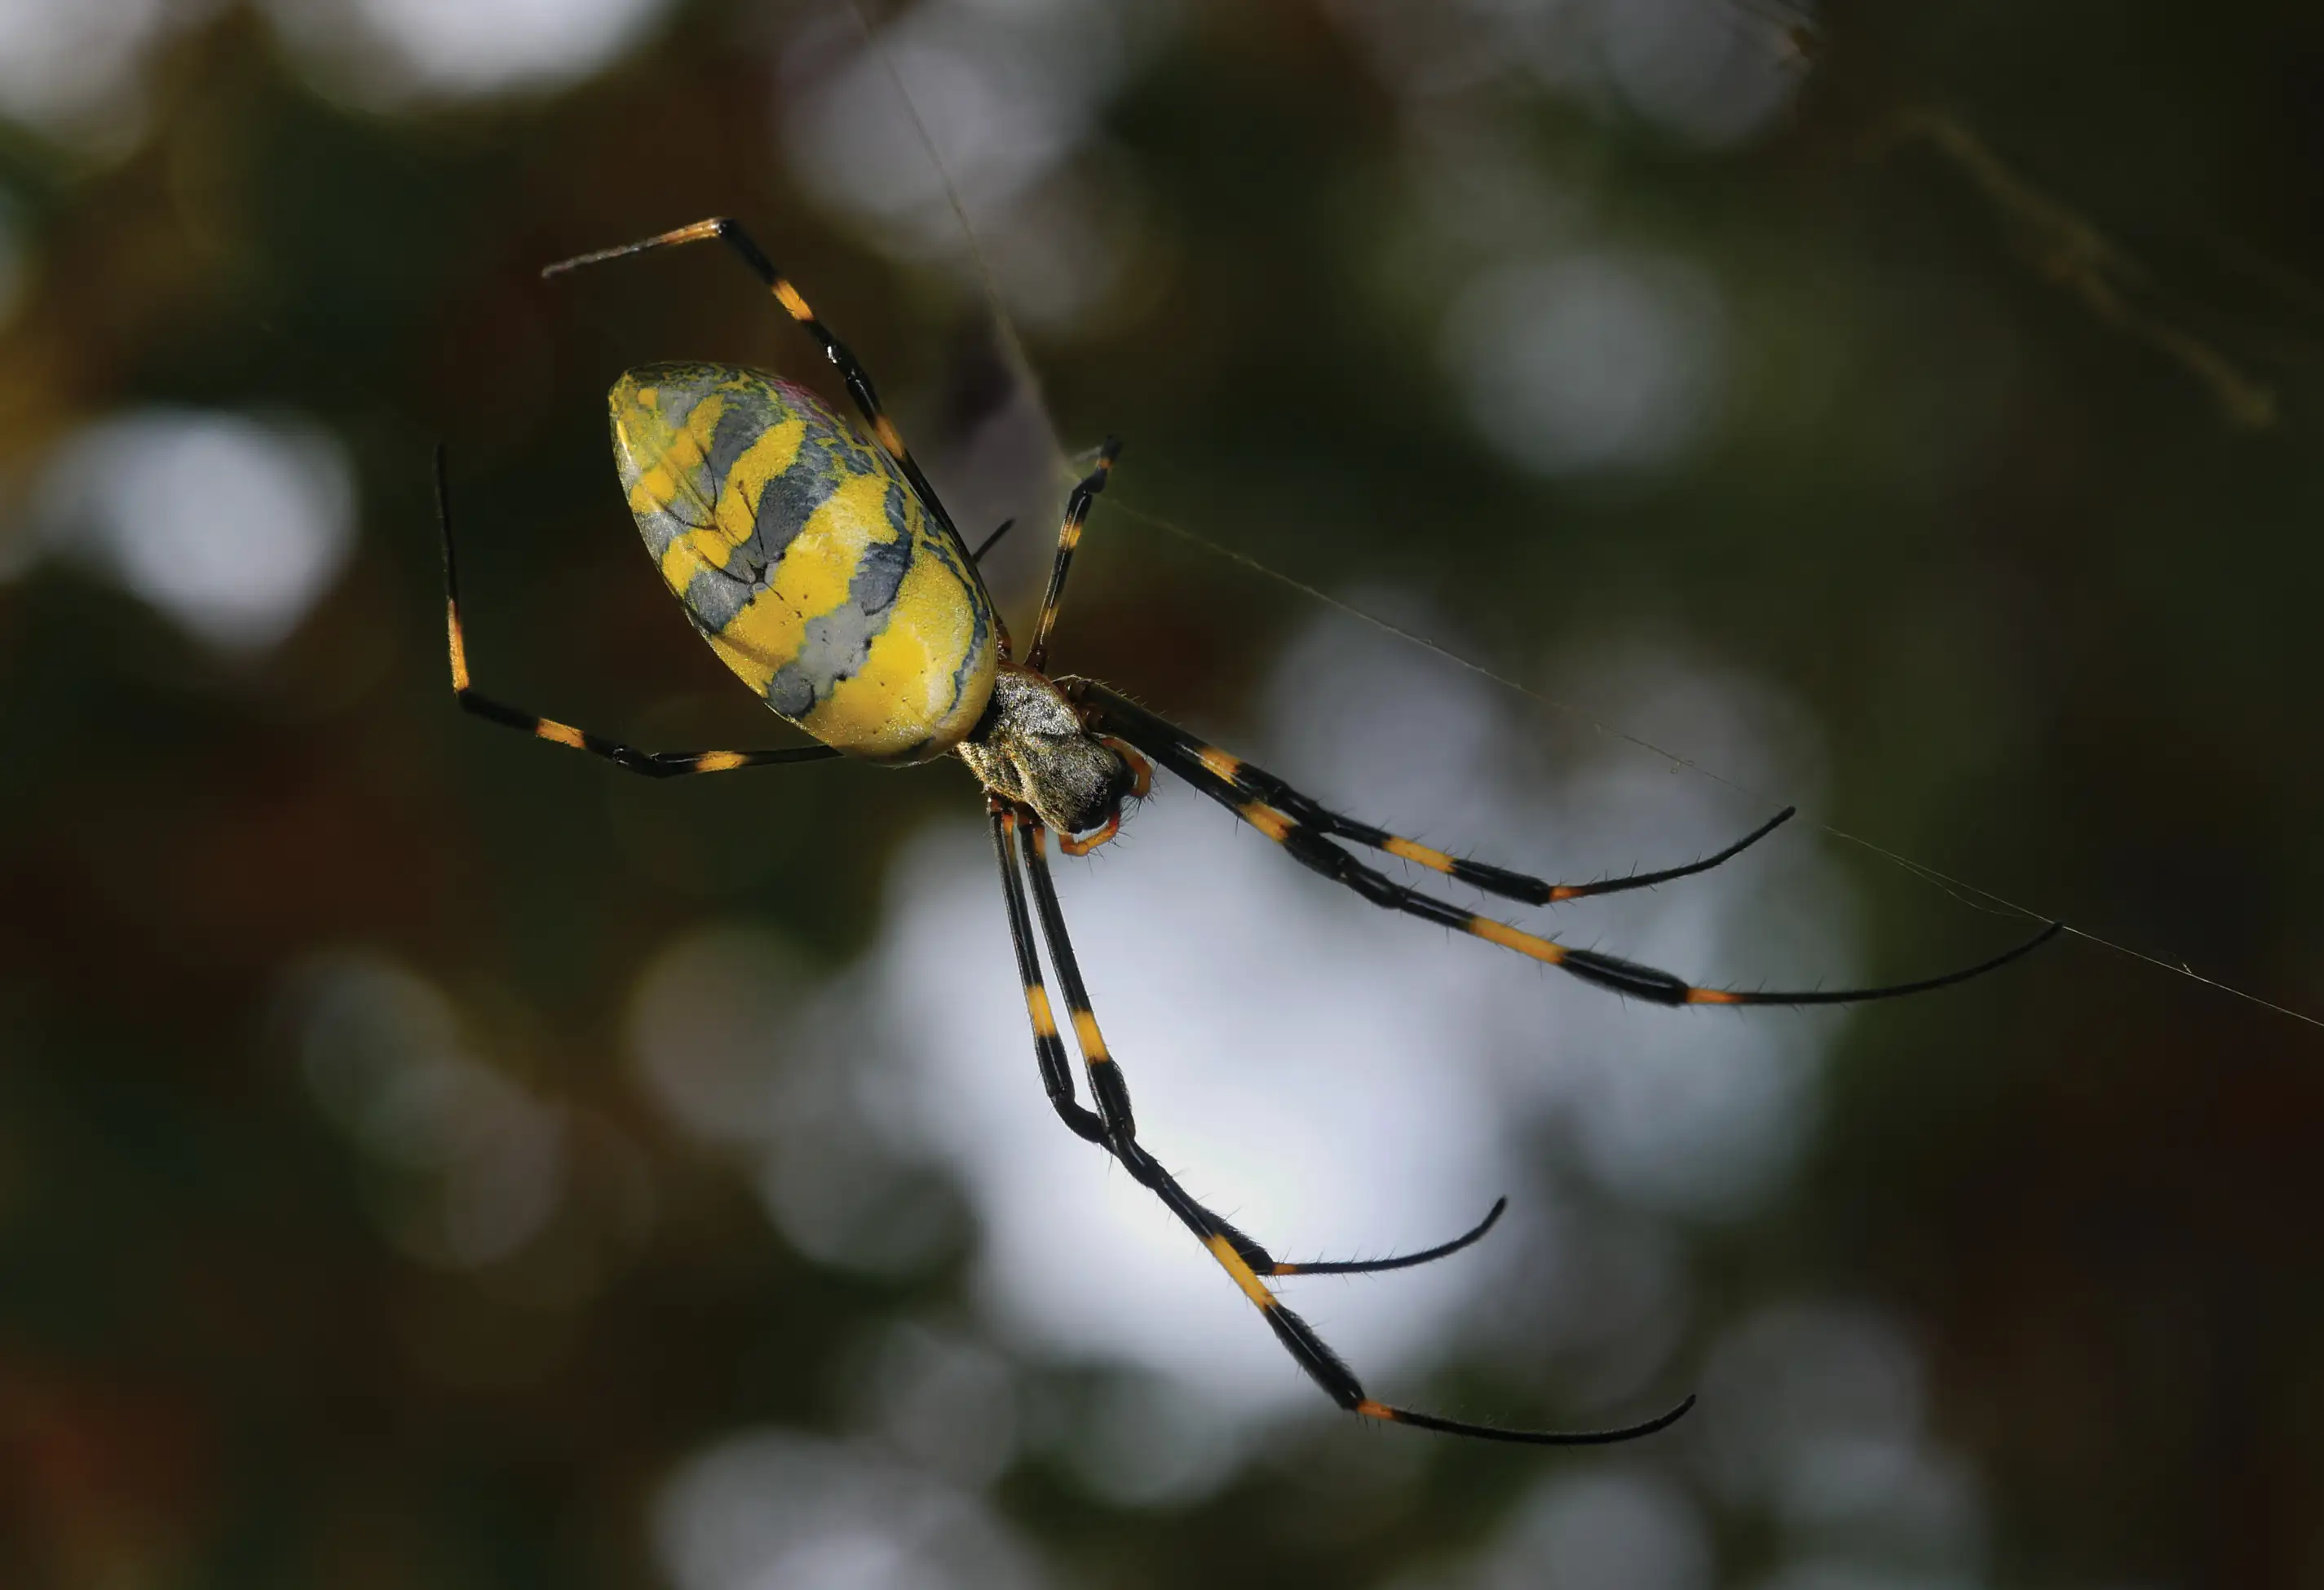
806	559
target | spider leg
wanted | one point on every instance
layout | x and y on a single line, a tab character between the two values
652	764
1312	850
794	304
992	540
1056	1078
1259	784
1048	1048
1243	1260
1427	1256
1069	535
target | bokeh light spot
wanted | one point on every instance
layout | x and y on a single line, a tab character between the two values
385	51
233	526
1594	361
74	68
1700	68
774	1510
1606	1530
1009	91
1815	1413
473	1165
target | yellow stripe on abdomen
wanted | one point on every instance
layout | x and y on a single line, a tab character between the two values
905	694
811	582
734	515
773	452
677	454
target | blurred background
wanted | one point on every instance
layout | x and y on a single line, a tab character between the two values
431	1157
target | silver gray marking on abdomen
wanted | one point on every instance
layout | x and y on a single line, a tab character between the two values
714	596
740	424
833	646
790	500
661	525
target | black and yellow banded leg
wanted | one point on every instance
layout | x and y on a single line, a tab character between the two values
795	305
1058	1080
1048	1048
1120	1128
1069	535
1319	854
1257	783
652	764
1246	1264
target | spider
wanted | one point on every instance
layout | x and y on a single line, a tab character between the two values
822	568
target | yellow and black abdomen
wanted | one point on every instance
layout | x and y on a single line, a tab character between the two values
805	558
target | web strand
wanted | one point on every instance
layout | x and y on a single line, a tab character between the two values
1971	894
1021	367
1012	346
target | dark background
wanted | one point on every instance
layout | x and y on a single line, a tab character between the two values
2008	482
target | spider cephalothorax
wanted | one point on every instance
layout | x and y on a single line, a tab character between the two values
1031	749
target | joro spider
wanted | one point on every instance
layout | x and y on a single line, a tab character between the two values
826	574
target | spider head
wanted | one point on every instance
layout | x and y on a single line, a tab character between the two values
1032	748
